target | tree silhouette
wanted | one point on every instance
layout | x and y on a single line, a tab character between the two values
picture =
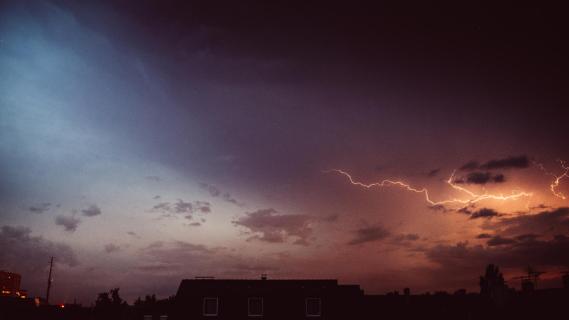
109	305
491	280
149	300
493	286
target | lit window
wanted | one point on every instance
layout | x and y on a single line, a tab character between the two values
210	306
255	307
313	307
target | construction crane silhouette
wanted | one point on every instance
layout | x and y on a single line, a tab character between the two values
529	281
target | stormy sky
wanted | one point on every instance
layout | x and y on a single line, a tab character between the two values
142	142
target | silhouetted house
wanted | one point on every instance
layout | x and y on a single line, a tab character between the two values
266	299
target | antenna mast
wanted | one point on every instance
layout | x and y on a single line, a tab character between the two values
49	282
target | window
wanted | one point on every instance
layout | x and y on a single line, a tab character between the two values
255	307
147	317
313	307
210	306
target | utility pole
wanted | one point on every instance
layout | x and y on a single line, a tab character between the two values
49	282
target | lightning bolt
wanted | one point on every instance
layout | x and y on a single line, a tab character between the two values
556	178
472	197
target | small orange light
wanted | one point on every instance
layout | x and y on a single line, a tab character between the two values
62	306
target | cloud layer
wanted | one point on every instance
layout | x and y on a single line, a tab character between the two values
270	226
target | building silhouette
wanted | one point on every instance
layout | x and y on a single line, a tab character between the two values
10	285
207	298
212	299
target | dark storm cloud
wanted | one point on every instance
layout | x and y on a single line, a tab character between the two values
518	162
216	192
40	208
551	222
505	253
23	252
527	237
405	239
540	206
484	236
369	234
461	264
467	209
484	213
270	226
481	178
69	222
408	237
498	178
441	208
498	241
91	211
304	52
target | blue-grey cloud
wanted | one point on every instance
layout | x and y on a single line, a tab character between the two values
40	208
91	211
216	192
182	208
68	222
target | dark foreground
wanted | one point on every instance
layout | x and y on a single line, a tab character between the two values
540	304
